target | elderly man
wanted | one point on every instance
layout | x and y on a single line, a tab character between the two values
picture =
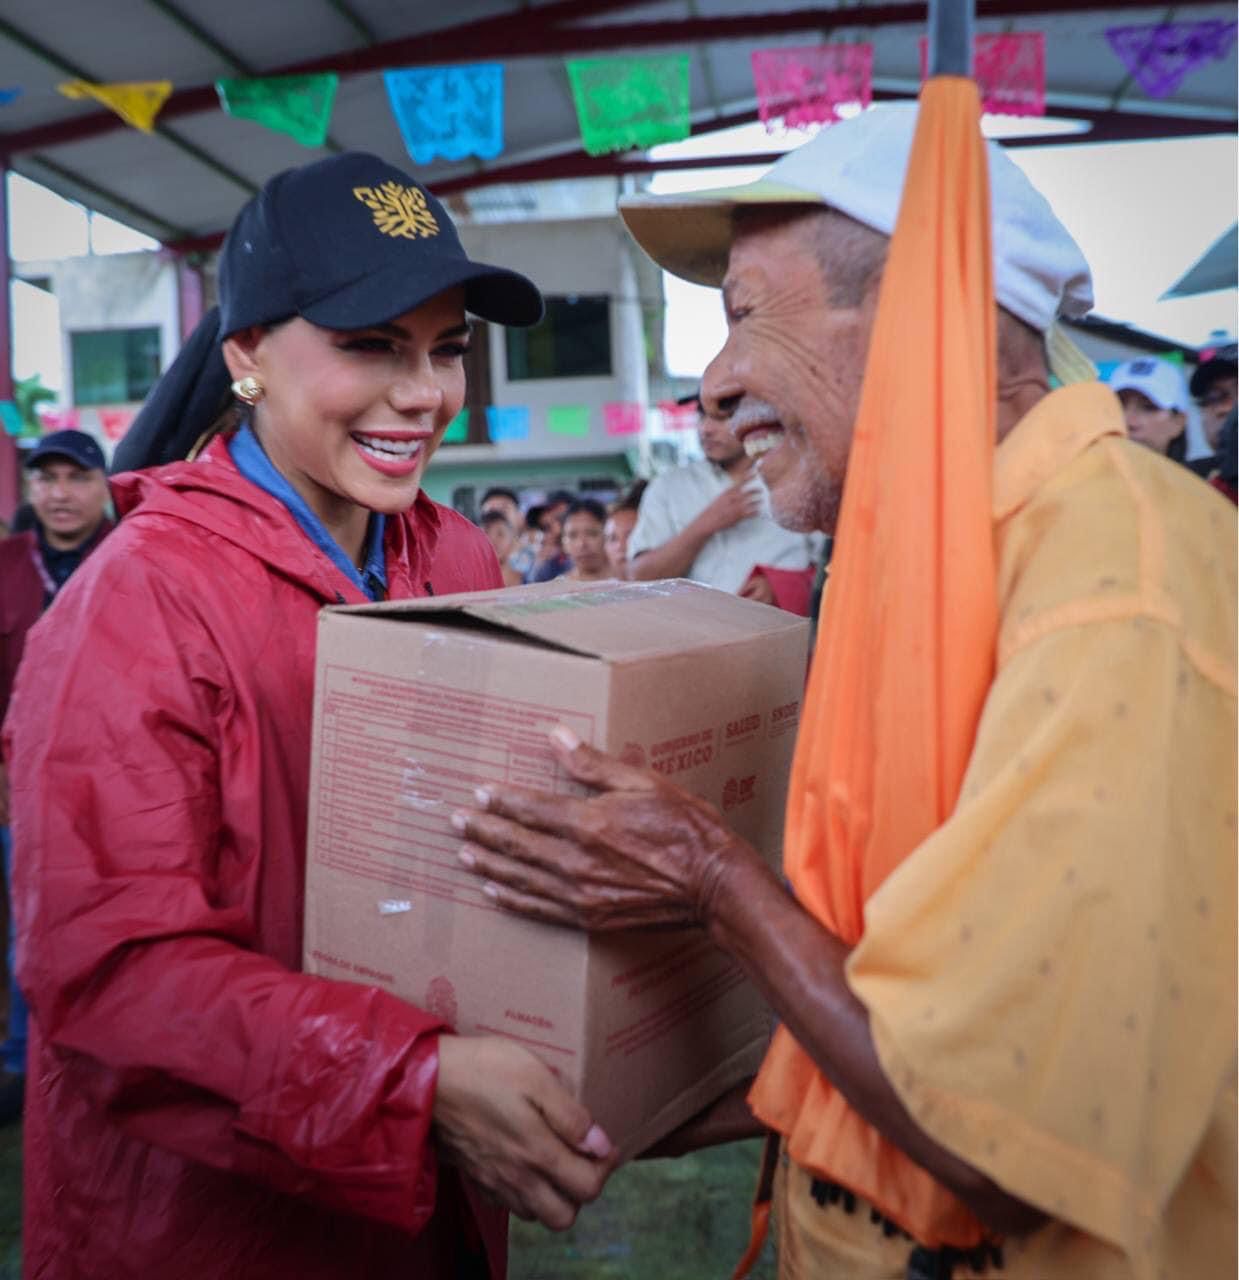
1035	1032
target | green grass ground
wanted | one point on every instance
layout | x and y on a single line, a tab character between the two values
10	1202
685	1219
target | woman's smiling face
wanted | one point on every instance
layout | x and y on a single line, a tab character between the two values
351	419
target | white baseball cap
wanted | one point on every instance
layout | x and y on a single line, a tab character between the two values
857	167
1159	380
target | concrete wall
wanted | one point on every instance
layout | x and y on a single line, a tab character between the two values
585	256
113	291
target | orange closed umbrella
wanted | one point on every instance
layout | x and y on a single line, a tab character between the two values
906	653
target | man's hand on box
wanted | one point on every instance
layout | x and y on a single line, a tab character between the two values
503	1119
640	852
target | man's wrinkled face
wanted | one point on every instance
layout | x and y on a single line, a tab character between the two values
788	378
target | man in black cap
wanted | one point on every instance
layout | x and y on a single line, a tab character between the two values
1213	386
69	496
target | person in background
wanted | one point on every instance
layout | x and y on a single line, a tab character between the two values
1154	399
585	541
68	501
550	559
620	523
505	501
495	526
198	1105
707	520
1225	476
1214	384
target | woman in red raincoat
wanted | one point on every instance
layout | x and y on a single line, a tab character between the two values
196	1105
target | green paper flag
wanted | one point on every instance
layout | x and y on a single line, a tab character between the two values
458	429
623	103
568	419
299	106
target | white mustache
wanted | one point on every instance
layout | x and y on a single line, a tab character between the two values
752	412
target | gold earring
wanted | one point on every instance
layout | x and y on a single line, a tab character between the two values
248	389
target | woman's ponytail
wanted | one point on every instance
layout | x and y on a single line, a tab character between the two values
183	407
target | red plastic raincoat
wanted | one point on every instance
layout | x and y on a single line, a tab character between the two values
196	1106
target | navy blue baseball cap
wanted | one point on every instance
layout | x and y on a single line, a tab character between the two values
77	446
349	242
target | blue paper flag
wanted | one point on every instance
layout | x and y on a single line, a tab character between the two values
7	95
507	422
451	112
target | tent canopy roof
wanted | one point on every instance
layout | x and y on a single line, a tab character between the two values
184	182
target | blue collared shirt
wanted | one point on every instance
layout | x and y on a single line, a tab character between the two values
253	463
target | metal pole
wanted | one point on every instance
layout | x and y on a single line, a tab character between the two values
950	37
10	466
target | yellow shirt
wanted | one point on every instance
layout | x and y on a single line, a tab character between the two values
1051	977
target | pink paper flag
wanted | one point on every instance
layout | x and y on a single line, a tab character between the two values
677	417
623	418
1009	70
115	422
59	420
808	84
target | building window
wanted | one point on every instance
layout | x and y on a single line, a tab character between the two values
573	340
114	366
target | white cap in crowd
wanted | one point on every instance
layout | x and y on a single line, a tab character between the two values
1159	380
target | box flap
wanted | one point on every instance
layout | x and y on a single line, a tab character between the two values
612	620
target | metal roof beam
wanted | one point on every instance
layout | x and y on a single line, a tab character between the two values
1107	126
543	32
354	20
452	43
53	59
201	36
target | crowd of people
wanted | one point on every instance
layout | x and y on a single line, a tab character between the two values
707	520
1010	1055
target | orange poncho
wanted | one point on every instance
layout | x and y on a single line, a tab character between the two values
907	645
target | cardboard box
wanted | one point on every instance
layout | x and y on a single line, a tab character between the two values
418	702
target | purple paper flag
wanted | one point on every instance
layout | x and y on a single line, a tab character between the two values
1161	55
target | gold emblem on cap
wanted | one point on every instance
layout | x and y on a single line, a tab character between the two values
398	210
